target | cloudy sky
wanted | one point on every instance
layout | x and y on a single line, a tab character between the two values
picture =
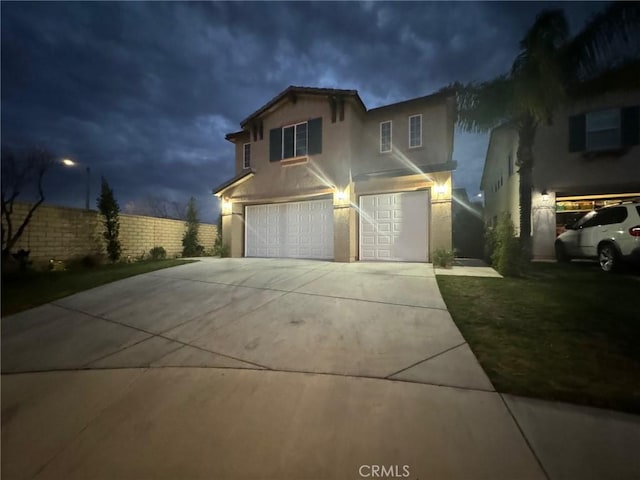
144	93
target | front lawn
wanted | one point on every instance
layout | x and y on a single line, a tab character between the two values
30	289
563	332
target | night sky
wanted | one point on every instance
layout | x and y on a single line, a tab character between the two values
144	93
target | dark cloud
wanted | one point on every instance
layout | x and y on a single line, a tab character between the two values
145	92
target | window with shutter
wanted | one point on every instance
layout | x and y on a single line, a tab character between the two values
315	136
297	140
275	145
577	133
630	117
604	129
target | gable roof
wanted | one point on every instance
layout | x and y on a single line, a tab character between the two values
291	90
433	97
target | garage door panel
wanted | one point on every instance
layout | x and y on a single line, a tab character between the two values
291	230
393	226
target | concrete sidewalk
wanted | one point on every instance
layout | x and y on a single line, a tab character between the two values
277	369
468	267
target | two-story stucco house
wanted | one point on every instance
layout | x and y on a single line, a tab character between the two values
588	157
320	176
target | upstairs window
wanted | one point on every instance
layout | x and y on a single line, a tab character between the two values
415	131
603	130
246	156
297	140
385	136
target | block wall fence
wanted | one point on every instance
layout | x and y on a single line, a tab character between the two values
61	233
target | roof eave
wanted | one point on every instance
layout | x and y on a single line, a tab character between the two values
233	182
403	172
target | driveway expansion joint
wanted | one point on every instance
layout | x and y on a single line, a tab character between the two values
152	334
526	440
426	360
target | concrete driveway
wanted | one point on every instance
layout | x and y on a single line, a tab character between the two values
254	368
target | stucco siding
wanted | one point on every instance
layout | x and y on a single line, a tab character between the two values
559	170
350	146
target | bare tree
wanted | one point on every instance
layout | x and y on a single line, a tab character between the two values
156	206
20	174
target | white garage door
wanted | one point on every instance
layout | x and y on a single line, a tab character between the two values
393	226
291	230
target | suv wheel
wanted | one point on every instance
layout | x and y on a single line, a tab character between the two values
608	257
561	253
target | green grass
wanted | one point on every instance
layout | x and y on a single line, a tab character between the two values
562	332
30	289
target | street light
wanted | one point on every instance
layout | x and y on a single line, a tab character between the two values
67	162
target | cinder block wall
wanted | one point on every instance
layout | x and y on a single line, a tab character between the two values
61	233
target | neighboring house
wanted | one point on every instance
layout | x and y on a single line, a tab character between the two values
320	176
587	158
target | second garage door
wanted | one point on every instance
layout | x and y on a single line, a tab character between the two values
290	230
393	226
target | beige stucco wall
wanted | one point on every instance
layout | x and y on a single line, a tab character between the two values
349	147
560	171
274	180
61	233
503	143
436	137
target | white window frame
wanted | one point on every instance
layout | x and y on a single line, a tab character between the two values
618	128
295	141
390	136
419	115
246	159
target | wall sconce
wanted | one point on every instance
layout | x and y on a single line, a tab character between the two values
545	195
441	189
226	207
341	195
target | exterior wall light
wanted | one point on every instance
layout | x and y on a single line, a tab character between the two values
226	207
441	189
341	195
545	195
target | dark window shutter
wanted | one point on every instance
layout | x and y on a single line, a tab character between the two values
287	142
315	136
577	133
630	120
275	144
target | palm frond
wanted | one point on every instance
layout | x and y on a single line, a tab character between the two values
485	105
610	38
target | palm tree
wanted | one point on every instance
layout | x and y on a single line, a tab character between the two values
552	69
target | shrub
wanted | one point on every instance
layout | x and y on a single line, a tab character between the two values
157	253
22	257
190	245
443	258
489	243
109	209
84	262
224	251
507	254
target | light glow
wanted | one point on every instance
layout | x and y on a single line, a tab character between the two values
545	196
441	189
226	206
341	195
68	162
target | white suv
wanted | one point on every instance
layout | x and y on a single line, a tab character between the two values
610	234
